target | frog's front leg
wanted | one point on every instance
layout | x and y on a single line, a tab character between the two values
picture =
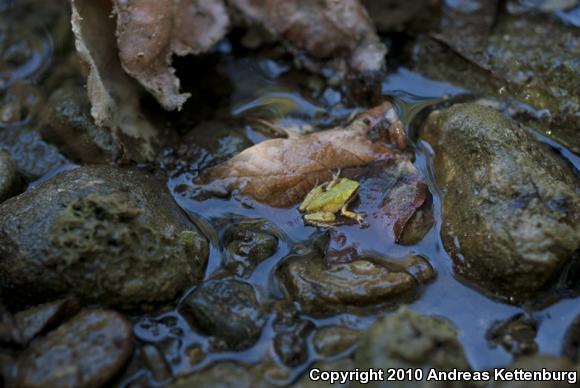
321	219
359	217
334	181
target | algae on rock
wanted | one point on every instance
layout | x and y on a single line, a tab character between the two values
532	64
511	204
105	234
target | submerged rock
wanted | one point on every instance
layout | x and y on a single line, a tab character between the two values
354	286
226	309
87	351
517	335
10	181
511	204
410	340
247	244
69	125
105	234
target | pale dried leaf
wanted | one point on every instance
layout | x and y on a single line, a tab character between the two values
149	32
280	172
325	29
114	96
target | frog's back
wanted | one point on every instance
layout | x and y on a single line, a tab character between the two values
335	198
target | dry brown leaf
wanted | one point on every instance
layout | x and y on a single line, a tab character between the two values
325	29
149	32
280	172
114	96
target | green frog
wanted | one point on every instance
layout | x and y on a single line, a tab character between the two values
325	201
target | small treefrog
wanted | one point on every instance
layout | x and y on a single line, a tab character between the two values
324	201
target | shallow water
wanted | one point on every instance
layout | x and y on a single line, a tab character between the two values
256	88
470	311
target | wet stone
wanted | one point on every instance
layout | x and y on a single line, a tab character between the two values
9	331
19	104
410	340
155	363
87	351
227	310
516	335
355	286
68	124
8	368
45	317
333	340
571	345
10	181
108	235
247	244
291	344
489	167
532	66
225	375
33	156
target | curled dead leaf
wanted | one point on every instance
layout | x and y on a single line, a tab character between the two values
325	29
114	96
149	32
280	172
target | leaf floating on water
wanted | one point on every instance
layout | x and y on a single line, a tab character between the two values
280	172
149	32
114	96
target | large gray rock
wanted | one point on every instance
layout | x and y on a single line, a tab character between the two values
106	234
511	205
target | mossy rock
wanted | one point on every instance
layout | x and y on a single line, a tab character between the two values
108	235
511	204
